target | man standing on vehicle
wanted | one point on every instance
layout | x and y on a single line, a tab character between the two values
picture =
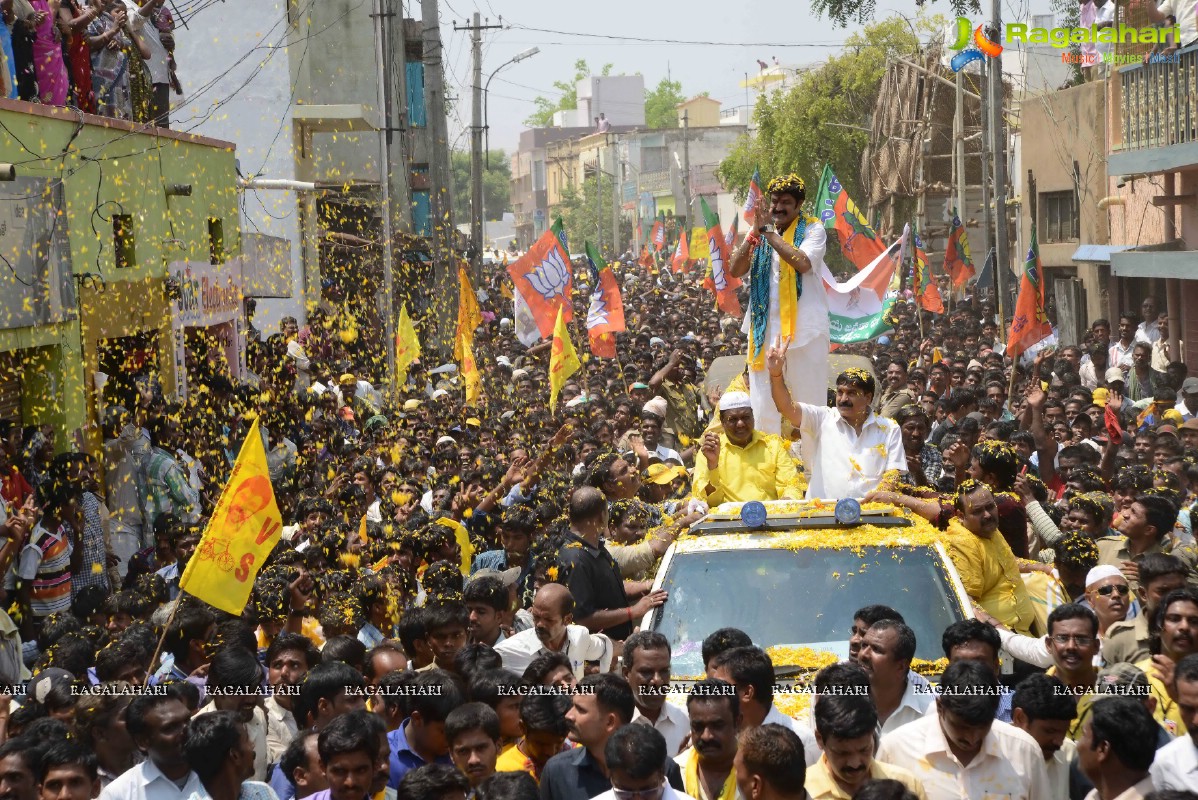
743	463
852	449
787	300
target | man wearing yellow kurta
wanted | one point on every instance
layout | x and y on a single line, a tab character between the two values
742	463
984	560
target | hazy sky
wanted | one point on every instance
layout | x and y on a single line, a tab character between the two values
785	30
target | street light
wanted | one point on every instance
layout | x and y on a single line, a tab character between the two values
516	59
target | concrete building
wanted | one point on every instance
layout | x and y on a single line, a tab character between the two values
337	99
529	196
1152	186
1064	146
700	111
619	99
649	166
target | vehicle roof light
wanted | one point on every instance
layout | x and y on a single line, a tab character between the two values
753	514
848	511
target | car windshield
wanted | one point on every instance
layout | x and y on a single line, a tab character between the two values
801	598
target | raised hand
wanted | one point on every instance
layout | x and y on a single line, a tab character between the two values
711	449
775	356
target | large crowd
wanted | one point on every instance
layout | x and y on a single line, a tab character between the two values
454	607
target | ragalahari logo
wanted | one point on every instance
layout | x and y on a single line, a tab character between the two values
972	44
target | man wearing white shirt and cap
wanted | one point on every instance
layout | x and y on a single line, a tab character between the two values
743	463
851	449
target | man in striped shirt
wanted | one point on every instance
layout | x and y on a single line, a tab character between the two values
52	553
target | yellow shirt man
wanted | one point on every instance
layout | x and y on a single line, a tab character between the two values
991	576
761	470
821	785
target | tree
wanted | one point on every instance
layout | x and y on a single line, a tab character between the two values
586	214
861	12
798	131
497	185
546	108
661	104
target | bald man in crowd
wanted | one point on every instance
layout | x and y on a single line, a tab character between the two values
554	631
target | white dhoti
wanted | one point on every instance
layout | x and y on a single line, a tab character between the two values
807	358
806	378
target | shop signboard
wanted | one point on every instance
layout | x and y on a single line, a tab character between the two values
207	320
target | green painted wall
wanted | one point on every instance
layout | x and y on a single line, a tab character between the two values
108	167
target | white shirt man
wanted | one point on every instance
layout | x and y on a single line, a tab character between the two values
847	463
1176	765
918	701
1010	763
146	782
581	646
672	723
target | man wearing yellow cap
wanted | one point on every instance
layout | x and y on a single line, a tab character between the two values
786	299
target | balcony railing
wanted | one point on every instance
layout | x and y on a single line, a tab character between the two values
1160	106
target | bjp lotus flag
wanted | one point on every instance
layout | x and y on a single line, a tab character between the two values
469	317
659	235
682	254
720	282
1030	325
926	291
544	278
606	313
958	264
469	370
407	346
240	535
563	361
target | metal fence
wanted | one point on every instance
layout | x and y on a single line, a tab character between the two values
1159	103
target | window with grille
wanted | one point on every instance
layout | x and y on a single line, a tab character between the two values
1058	217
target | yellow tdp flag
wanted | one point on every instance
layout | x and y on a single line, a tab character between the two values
407	346
241	533
699	247
469	317
563	361
469	370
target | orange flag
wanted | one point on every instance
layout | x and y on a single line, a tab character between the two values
1030	325
682	254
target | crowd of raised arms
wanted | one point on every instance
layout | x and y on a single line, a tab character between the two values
454	609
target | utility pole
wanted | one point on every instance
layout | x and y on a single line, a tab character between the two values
998	141
987	211
440	205
616	186
477	219
386	169
686	165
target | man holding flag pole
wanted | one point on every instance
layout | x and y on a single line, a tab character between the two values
783	256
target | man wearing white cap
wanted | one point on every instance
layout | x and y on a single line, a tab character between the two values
653	420
742	463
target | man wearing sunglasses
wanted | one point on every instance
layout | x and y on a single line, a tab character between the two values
1109	594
